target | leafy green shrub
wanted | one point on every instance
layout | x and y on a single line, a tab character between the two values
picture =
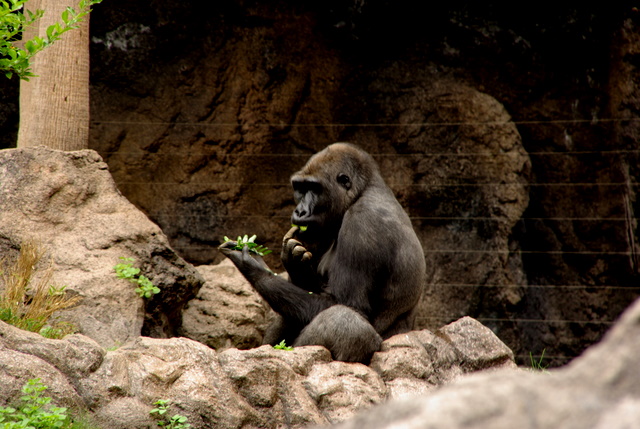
127	271
175	422
29	304
12	24
35	410
251	244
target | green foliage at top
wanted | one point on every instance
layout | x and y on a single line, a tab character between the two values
175	422
13	22
35	411
251	244
126	271
282	346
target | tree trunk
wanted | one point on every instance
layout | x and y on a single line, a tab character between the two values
54	107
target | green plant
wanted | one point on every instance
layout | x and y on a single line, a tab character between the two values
13	22
536	364
128	272
250	243
35	411
29	304
282	346
175	422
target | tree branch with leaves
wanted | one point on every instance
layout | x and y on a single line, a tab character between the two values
16	55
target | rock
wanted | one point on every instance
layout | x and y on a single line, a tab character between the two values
68	203
600	389
418	361
75	356
477	347
131	379
60	364
258	388
227	312
341	389
268	381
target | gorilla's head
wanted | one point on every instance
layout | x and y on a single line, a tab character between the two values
329	184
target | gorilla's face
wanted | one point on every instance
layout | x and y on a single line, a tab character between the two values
324	190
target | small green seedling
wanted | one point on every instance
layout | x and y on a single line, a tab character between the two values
282	346
302	228
250	243
175	422
537	364
127	271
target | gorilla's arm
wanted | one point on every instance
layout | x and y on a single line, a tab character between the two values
292	302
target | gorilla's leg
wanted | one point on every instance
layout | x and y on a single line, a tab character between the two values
275	331
345	332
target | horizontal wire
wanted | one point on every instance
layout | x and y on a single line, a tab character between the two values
593	322
438	218
398	155
497	319
369	124
545	357
499	252
528	286
405	185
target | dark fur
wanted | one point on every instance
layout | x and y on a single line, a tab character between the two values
359	258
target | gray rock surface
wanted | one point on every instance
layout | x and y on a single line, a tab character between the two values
227	312
70	205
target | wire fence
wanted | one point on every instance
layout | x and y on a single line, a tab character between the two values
603	156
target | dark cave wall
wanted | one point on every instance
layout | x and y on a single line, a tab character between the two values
520	185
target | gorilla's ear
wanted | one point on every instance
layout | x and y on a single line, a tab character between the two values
344	180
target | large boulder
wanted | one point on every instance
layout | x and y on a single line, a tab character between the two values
418	361
227	312
69	204
600	389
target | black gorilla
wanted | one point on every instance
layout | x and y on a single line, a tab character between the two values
357	270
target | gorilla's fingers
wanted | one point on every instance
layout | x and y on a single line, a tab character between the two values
291	245
227	247
298	251
228	244
289	235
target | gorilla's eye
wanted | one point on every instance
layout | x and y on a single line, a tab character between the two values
344	180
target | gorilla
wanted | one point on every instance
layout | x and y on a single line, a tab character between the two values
355	267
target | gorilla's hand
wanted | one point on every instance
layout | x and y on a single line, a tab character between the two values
297	260
251	266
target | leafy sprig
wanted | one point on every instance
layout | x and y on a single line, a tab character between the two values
302	228
250	243
13	22
282	345
127	271
177	421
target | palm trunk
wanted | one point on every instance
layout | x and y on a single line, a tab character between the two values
54	107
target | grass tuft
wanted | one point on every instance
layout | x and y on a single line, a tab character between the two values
28	301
